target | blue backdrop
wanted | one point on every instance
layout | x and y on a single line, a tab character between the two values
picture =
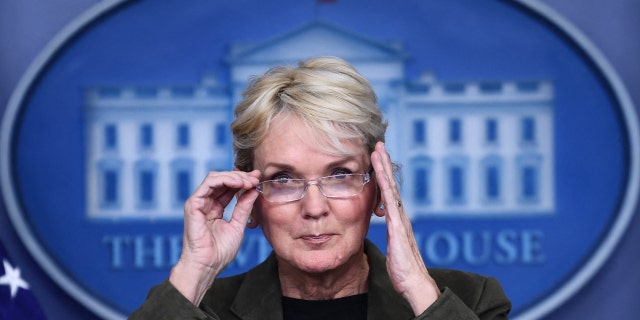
26	27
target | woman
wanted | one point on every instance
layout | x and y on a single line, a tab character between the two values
311	170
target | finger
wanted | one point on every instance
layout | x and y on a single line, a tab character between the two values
216	183
224	185
217	190
384	175
243	208
387	164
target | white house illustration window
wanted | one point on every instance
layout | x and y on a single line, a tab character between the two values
528	130
456	88
529	182
490	87
146	92
146	136
111	179
492	179
182	172
183	135
183	91
110	141
529	176
109	183
146	172
455	131
421	181
419	135
491	131
456	180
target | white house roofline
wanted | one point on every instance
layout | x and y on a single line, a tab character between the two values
239	52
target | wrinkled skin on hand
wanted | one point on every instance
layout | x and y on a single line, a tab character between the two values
405	265
210	243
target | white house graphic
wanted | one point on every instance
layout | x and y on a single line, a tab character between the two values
467	148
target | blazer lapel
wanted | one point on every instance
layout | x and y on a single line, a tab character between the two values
259	296
384	302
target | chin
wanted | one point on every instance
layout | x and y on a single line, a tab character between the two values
317	262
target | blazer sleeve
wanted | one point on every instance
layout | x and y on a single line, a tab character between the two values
485	300
164	301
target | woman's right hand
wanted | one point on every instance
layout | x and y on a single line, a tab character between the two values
209	242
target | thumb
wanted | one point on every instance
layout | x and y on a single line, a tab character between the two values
243	207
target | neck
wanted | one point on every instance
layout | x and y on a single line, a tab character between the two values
347	280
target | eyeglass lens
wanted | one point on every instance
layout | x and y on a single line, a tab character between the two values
336	186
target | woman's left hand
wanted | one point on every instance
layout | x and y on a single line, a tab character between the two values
405	265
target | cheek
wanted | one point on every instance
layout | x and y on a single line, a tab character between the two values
272	217
258	209
262	211
356	213
371	197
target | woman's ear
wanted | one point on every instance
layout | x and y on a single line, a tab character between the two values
378	210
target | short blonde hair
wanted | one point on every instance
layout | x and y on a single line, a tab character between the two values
327	93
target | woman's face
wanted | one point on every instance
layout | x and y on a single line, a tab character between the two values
315	234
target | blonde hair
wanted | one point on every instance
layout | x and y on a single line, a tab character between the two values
327	93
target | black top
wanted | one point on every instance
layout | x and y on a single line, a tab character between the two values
347	308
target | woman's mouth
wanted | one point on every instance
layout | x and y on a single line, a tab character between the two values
317	239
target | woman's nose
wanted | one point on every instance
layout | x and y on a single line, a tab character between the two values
314	203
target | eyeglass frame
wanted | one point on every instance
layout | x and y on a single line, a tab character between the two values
318	182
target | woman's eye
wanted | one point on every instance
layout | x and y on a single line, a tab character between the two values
281	178
341	172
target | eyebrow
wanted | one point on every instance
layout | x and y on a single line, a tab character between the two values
291	168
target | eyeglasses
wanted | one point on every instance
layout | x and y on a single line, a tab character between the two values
335	186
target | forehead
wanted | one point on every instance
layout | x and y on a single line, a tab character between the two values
290	140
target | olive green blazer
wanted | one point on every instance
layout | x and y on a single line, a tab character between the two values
256	295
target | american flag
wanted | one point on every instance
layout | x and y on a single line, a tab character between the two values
16	300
